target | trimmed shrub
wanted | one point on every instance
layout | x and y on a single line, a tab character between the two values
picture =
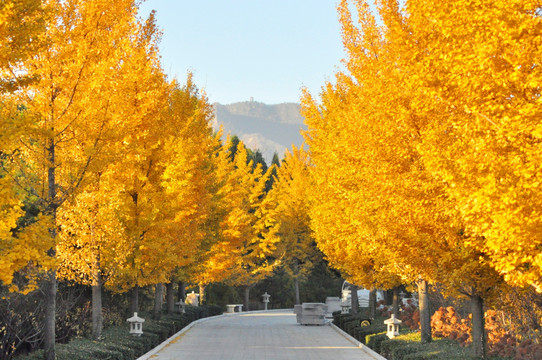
407	348
388	347
118	344
85	349
441	350
375	328
213	310
120	336
351	324
157	328
374	340
127	352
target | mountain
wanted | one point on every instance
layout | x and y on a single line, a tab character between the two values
268	128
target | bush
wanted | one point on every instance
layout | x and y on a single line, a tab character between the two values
339	318
118	344
408	347
376	328
447	323
440	350
375	340
410	315
213	310
118	337
350	324
389	347
127	352
85	349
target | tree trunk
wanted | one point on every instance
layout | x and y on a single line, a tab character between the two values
425	314
134	300
296	288
97	316
372	304
395	304
354	299
50	315
247	297
158	296
181	294
478	327
201	293
49	335
170	301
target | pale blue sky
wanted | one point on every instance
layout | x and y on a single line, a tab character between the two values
238	49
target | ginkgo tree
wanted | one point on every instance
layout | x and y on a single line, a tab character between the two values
20	244
91	246
485	139
189	176
365	140
22	23
285	215
241	256
70	109
92	238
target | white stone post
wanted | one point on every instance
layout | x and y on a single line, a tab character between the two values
266	297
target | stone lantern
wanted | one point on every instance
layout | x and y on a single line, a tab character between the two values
182	306
136	325
266	297
393	326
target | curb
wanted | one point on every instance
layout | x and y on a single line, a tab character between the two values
364	348
166	342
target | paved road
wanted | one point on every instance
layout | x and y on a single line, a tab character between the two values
269	335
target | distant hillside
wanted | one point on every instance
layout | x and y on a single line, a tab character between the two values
269	128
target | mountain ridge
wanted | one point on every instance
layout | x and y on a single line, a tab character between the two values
268	128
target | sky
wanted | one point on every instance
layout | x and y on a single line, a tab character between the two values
242	49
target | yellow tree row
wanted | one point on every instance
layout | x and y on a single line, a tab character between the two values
131	185
426	149
115	158
239	254
65	107
285	213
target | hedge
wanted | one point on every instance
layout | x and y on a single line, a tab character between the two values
409	347
350	323
118	344
406	346
375	340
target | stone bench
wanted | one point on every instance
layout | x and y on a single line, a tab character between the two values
311	313
230	308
